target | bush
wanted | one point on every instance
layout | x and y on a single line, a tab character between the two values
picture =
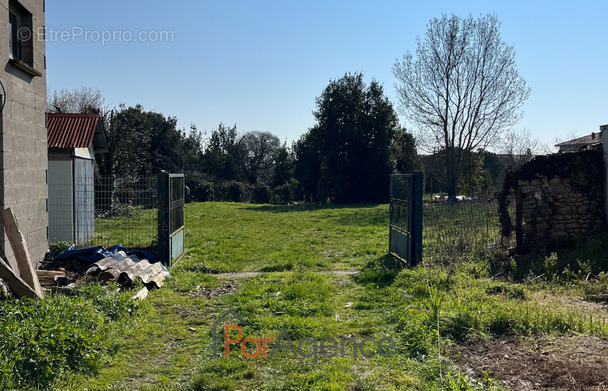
233	191
108	302
285	193
201	189
46	338
262	194
43	340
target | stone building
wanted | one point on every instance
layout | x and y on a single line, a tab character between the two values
23	137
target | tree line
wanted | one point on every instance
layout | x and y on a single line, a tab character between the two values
460	89
346	157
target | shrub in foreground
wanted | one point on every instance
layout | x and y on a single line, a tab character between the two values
43	340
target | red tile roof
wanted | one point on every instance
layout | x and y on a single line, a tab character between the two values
69	131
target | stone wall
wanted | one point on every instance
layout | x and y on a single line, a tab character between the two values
557	196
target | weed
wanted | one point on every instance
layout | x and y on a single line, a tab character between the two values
56	248
108	301
47	339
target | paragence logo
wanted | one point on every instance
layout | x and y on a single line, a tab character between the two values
235	342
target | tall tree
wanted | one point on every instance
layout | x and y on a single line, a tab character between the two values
461	89
141	143
405	155
225	153
308	168
261	149
355	126
193	150
284	166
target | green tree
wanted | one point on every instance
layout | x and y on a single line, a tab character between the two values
475	178
308	168
193	150
355	126
462	88
404	153
284	169
260	150
225	154
493	164
142	143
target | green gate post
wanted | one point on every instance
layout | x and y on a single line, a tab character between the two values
405	240
171	231
163	218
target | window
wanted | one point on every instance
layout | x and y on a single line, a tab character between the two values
14	47
21	38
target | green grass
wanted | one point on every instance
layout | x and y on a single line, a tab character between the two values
243	237
168	344
133	227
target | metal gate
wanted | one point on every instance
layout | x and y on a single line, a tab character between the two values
405	236
171	200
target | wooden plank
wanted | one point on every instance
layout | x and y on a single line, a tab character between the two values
22	255
17	285
49	274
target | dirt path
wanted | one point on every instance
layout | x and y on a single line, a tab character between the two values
255	274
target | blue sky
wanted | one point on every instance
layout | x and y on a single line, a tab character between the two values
261	64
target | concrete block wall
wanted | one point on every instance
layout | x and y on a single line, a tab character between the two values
23	136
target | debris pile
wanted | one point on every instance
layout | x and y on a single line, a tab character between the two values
72	267
76	266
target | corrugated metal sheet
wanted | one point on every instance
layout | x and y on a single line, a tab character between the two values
128	270
69	131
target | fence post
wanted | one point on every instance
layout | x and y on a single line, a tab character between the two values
163	218
416	227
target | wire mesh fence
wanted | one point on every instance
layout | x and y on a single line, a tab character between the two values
454	229
104	211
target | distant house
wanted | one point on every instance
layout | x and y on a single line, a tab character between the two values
73	140
23	152
582	143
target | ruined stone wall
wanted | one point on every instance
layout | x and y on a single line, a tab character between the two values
558	196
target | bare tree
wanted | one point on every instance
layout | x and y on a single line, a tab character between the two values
462	88
79	100
520	147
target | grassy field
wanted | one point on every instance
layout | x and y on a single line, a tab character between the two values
133	227
245	237
306	294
